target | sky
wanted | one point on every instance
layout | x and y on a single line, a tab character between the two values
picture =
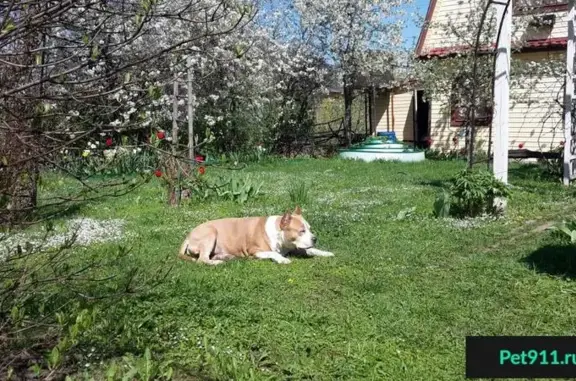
412	30
415	13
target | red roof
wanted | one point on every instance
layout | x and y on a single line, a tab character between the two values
531	45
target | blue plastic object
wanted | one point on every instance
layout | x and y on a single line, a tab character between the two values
390	135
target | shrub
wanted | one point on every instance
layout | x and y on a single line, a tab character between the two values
236	189
471	193
566	231
52	301
554	167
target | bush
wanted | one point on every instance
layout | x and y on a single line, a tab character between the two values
554	168
236	189
566	231
53	300
471	194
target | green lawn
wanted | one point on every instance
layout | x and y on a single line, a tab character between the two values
395	303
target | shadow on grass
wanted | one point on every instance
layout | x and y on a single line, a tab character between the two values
556	260
58	211
434	183
531	172
298	253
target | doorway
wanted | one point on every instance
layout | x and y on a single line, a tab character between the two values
422	127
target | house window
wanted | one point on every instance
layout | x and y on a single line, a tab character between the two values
459	116
524	7
461	89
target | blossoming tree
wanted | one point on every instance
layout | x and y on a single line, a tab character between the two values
359	37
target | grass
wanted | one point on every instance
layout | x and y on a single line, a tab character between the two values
396	301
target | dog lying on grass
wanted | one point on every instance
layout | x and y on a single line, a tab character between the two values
217	241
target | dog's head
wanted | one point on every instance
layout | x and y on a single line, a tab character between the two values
296	231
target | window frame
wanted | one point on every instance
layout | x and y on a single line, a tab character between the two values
553	6
456	120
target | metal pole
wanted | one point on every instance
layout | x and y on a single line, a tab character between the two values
190	111
501	96
569	130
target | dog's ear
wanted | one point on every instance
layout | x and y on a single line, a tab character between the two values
298	210
285	221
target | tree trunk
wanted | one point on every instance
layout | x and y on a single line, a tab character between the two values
23	199
348	94
18	184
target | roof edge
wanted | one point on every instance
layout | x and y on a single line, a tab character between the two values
424	29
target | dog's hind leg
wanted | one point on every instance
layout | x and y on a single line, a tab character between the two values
198	246
185	250
206	245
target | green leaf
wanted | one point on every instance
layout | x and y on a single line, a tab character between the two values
15	314
35	369
10	26
111	371
95	52
129	376
54	358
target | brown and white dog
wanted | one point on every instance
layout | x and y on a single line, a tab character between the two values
216	241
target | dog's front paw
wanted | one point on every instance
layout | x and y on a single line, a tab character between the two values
319	253
283	260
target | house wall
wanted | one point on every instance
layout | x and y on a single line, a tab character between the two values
395	111
446	12
535	113
457	15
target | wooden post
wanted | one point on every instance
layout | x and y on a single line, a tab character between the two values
370	114
175	191
366	95
569	128
175	115
414	116
501	96
372	110
190	111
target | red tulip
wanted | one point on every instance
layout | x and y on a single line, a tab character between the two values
160	135
202	170
521	145
108	141
158	173
199	159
